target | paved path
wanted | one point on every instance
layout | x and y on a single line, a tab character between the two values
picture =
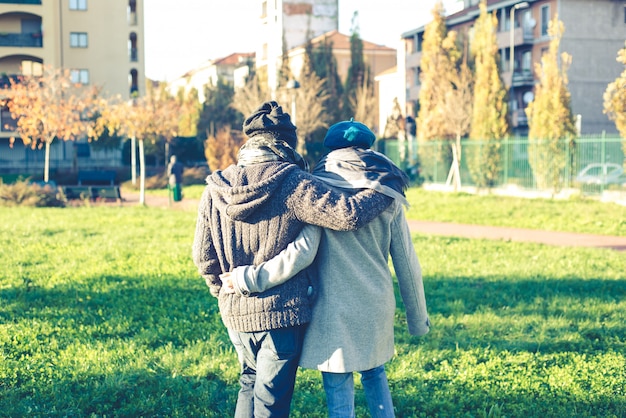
518	234
448	229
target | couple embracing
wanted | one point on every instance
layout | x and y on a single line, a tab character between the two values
299	264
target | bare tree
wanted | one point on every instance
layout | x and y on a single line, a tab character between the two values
309	101
364	104
457	110
250	97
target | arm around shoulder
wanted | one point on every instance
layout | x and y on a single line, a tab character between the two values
315	202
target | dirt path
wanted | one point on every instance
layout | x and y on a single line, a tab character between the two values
446	228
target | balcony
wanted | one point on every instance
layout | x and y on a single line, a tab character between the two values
521	36
413	59
523	78
27	40
20	1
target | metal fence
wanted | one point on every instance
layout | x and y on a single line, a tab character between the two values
591	164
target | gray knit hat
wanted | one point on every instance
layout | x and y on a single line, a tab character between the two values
270	120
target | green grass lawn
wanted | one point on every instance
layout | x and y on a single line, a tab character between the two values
102	313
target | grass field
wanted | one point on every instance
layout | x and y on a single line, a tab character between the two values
103	314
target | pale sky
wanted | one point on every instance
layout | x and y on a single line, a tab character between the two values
182	34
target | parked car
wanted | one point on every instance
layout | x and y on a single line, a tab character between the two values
602	174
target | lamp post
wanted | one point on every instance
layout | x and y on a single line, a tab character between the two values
293	85
521	5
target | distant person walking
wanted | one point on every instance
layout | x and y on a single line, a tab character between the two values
175	178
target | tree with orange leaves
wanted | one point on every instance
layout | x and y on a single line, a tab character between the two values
53	107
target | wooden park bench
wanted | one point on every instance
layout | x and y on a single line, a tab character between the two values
94	185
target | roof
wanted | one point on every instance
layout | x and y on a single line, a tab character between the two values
467	14
233	59
341	41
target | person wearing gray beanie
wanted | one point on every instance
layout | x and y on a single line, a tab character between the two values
248	213
352	328
270	120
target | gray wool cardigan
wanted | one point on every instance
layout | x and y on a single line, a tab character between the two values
247	215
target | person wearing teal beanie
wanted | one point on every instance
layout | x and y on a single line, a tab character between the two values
352	327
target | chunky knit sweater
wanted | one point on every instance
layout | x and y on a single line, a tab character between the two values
249	214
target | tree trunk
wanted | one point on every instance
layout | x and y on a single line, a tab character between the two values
142	174
133	160
46	164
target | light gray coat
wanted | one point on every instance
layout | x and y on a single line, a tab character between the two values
352	327
353	317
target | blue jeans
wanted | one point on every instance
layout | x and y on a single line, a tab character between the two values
339	389
269	362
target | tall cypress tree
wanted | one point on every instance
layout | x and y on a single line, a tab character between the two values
550	119
490	111
323	63
438	67
358	73
615	100
217	112
440	56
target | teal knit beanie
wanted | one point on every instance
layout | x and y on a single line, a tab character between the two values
349	134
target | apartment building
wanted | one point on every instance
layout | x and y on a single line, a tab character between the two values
594	32
288	24
101	42
232	69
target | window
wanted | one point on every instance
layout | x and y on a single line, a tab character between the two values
79	76
78	40
545	20
527	61
133	79
78	4
7	123
32	68
416	72
132	47
132	12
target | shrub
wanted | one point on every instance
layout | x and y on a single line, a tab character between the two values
25	193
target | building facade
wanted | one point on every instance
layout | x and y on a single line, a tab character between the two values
378	58
100	42
594	32
288	24
232	69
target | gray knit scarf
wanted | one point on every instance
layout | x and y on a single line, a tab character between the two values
263	149
363	168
